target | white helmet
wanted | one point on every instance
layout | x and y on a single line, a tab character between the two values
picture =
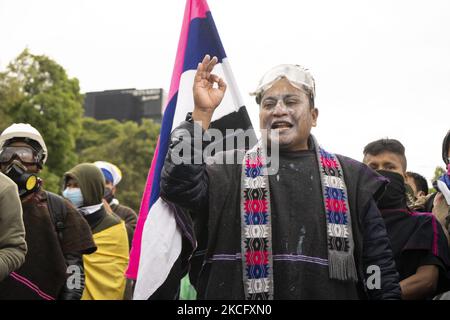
24	130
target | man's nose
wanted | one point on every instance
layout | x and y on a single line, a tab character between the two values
280	109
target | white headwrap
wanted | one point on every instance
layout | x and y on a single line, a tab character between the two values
108	169
297	75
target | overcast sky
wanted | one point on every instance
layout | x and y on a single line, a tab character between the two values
382	68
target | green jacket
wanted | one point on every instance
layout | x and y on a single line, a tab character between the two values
12	232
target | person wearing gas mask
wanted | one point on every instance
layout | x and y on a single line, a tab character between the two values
12	232
418	241
84	186
113	176
57	235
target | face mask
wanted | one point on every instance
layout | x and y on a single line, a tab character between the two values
109	196
395	195
26	182
74	195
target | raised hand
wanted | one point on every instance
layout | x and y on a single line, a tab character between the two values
207	96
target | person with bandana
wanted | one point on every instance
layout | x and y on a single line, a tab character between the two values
309	231
84	186
420	247
56	234
113	175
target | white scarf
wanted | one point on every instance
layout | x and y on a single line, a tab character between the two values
85	211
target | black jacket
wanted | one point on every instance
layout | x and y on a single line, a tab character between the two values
188	186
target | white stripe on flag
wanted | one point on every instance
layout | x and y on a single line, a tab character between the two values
231	102
161	246
161	239
444	190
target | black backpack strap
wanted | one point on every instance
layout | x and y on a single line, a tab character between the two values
58	212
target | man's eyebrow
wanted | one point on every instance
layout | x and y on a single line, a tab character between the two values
289	95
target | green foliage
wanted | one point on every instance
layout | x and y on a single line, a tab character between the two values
439	171
36	90
127	145
52	181
10	94
96	133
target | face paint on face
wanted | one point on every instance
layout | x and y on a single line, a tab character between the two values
286	109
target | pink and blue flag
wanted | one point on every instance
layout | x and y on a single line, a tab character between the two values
158	237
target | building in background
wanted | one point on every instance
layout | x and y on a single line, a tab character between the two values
125	104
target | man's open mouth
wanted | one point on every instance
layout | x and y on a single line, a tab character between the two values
280	125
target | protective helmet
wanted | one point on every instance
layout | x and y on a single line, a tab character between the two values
28	133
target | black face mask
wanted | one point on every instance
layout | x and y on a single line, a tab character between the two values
108	196
395	195
26	182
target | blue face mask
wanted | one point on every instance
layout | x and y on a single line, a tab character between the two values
74	195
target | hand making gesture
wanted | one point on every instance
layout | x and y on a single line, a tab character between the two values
207	96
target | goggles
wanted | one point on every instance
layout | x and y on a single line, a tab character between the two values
25	154
298	76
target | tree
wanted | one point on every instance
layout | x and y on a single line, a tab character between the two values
439	171
96	133
36	90
9	95
127	145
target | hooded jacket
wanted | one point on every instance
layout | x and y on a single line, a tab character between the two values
105	268
91	182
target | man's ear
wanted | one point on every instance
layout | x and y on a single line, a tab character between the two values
315	115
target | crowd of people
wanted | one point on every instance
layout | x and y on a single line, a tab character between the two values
323	227
60	248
